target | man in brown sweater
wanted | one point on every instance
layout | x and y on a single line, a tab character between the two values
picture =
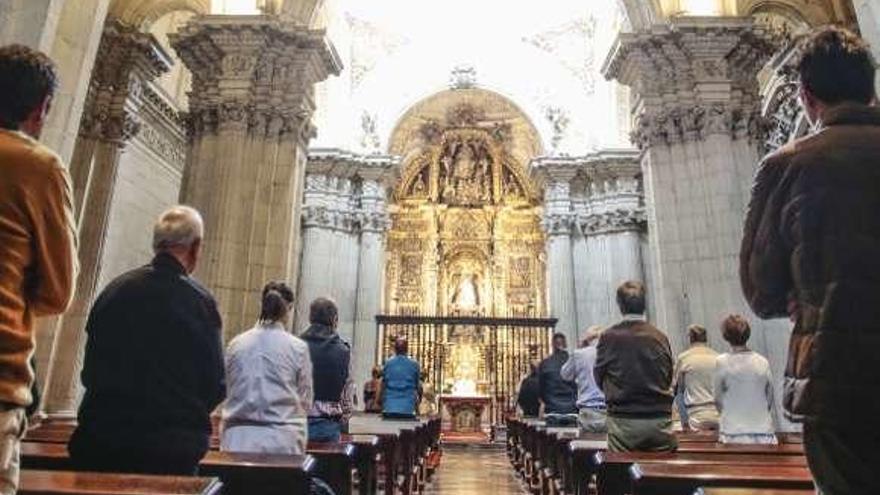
37	237
634	370
810	252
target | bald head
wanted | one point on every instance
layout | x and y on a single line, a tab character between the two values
178	232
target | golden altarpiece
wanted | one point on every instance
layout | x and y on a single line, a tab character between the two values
465	269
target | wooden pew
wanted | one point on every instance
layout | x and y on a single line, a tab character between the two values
263	474
750	491
241	473
613	468
334	463
361	454
678	479
36	482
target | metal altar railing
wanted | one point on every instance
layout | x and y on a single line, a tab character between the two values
506	346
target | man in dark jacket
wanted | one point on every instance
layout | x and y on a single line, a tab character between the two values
811	251
634	370
529	398
153	367
331	373
559	396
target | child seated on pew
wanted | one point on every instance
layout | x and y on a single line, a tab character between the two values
743	389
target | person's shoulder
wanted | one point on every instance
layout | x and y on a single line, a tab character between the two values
28	160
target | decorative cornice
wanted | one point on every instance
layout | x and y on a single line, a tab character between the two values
558	224
341	163
680	123
602	164
613	221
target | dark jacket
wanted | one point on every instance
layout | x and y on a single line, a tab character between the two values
529	399
812	235
153	370
634	370
331	357
559	396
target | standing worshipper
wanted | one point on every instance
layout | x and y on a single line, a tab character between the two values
558	395
153	370
590	399
269	383
693	378
372	392
400	383
810	252
529	397
743	388
37	237
331	373
634	370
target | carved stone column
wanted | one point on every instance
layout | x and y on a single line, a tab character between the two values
127	60
558	223
697	123
374	224
251	108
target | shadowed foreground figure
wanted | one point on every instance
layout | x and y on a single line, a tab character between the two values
153	370
37	237
811	251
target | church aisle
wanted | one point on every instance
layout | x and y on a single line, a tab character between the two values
466	471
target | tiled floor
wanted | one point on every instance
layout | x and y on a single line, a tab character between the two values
466	471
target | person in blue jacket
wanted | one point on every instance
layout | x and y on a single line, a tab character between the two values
400	383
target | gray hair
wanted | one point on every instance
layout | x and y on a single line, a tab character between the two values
178	226
593	333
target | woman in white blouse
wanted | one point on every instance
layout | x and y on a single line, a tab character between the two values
268	383
743	388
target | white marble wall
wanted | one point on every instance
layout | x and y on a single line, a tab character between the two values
594	221
344	224
868	14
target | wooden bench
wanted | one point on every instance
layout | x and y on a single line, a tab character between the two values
334	463
685	479
263	474
36	482
613	468
750	491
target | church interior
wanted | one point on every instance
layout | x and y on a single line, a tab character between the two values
472	175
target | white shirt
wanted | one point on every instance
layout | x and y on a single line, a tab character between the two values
744	393
268	378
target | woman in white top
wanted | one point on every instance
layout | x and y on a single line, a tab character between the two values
743	388
268	383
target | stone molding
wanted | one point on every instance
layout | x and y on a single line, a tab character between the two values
254	74
128	60
693	78
613	221
559	223
347	191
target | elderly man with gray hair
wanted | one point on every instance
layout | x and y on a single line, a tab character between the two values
153	367
579	369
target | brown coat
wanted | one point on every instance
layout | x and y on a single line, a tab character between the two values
812	236
37	253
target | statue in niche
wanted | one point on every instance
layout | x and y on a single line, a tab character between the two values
467	294
419	188
465	174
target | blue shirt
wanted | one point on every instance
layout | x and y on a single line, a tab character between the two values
400	384
579	368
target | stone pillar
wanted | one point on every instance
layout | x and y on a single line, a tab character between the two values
128	60
371	267
558	225
695	96
611	224
251	107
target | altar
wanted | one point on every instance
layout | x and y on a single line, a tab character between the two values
465	414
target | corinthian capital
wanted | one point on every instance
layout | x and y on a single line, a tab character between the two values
241	64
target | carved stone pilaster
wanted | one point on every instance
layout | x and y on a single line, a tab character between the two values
558	223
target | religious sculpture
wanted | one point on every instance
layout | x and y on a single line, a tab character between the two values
466	174
467	294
